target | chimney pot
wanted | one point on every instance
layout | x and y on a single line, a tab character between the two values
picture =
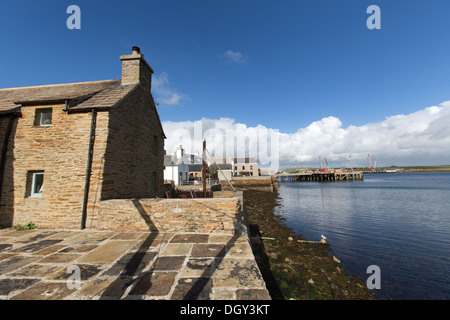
136	50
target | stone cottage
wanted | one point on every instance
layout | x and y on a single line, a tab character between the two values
66	147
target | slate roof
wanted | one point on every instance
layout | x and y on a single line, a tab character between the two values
172	161
195	167
168	160
244	160
81	96
192	159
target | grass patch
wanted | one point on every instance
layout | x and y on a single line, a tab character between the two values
28	226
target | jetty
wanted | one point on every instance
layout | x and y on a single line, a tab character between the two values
320	175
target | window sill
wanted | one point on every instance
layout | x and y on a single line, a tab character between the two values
35	196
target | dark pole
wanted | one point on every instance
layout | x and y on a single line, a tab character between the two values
88	169
204	169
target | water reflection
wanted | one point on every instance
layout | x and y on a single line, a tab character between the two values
399	222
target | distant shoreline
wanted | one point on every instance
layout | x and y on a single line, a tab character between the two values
409	169
426	170
420	171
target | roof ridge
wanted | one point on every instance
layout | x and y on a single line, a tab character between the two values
106	94
60	84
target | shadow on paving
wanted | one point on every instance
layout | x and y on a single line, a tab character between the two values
200	287
159	280
130	268
159	283
135	264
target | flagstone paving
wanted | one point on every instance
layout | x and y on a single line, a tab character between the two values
46	265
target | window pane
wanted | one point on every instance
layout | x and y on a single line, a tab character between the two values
38	182
46	117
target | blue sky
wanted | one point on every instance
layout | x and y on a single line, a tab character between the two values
280	64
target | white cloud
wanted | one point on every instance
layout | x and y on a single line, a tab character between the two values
422	137
235	57
164	93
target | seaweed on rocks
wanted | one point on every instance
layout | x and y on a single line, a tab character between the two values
291	269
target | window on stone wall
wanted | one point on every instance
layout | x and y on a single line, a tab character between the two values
35	183
43	117
153	182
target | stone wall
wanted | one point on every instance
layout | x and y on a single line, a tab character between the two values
223	194
207	215
7	191
263	183
61	151
131	158
199	187
3	125
136	70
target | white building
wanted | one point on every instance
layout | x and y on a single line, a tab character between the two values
175	167
246	166
223	166
224	170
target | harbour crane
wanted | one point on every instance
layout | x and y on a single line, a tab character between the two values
370	161
328	167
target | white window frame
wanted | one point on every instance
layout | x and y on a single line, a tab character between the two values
34	194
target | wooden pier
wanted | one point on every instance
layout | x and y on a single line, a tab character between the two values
320	176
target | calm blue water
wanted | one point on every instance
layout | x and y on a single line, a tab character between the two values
399	222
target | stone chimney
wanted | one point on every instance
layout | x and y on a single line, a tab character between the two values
136	70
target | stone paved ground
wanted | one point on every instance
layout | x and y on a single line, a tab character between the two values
42	264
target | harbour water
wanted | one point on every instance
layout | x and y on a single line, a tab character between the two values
399	222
